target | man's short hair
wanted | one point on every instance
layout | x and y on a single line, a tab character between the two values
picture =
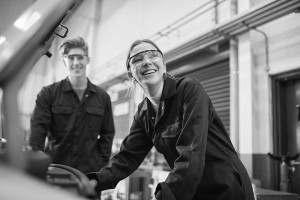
72	43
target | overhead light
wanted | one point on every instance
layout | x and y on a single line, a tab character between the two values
27	20
2	39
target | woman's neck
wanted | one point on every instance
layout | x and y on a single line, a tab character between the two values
155	97
152	91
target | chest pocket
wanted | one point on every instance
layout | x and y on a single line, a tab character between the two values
167	137
95	117
61	117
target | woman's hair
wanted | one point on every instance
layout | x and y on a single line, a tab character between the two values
72	43
135	43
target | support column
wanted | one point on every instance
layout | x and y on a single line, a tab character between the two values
234	86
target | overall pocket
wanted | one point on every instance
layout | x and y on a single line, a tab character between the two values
95	117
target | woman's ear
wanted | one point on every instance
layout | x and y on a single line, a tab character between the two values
64	62
129	74
165	67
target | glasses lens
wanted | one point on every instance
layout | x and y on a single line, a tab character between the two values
152	55
137	59
78	57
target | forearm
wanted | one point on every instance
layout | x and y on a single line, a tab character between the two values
40	122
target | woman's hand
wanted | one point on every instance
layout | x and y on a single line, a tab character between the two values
92	183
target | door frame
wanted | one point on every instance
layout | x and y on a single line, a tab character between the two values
276	82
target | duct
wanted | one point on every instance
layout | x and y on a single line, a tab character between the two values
255	17
267	67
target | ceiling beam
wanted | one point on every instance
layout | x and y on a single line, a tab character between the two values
255	17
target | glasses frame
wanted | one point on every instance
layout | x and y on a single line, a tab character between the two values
75	55
143	52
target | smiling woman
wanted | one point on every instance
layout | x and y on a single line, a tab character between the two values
146	67
177	117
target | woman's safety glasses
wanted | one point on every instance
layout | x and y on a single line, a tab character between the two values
138	59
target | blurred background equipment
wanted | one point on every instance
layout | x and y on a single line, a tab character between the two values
22	44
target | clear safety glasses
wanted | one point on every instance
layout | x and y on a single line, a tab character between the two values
138	59
78	57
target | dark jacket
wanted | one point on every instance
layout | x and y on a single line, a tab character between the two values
80	133
194	142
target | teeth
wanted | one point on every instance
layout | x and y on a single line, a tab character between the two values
149	71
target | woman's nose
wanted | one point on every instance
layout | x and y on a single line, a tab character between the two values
147	60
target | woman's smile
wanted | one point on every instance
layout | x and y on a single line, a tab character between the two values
148	72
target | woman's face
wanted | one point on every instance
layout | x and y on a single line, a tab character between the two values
147	65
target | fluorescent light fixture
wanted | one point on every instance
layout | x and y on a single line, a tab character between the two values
2	39
28	19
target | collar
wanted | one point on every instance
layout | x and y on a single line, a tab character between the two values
66	86
168	91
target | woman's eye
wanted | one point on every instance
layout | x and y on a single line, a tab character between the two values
137	59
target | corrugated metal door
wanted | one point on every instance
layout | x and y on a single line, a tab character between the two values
216	82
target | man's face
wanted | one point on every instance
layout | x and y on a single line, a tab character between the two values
76	62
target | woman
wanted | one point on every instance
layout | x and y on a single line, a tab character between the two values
178	118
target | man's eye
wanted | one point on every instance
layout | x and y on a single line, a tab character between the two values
71	57
80	57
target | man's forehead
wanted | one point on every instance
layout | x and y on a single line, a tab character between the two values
142	47
75	51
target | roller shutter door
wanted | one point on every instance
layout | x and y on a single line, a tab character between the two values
216	82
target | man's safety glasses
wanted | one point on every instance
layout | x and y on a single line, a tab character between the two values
138	59
78	57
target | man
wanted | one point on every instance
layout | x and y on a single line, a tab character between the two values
74	115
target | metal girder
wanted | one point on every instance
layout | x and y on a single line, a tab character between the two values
255	17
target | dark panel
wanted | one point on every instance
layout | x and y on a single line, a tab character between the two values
216	82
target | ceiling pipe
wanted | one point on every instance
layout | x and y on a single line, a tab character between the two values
255	17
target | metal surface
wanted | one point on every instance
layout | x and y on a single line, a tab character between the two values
23	44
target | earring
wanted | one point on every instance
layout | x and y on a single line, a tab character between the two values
133	80
164	76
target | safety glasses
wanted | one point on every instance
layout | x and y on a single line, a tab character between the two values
138	59
78	57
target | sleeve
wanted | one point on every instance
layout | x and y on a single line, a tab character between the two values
184	178
40	120
134	149
107	132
